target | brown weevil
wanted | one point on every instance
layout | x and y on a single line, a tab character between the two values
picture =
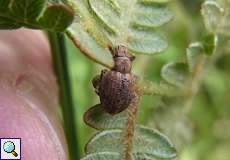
116	87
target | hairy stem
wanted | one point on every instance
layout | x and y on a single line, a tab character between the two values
147	87
130	129
193	84
85	51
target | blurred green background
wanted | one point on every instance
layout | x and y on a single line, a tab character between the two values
203	133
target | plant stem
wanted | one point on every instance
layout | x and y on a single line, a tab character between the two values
85	51
60	58
146	87
193	84
130	129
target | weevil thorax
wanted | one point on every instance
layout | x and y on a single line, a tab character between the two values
122	59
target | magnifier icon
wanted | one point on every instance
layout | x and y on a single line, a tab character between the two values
9	147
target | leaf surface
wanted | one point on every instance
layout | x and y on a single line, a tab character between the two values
147	143
97	118
216	14
133	23
57	18
175	73
27	10
194	53
102	156
36	14
209	43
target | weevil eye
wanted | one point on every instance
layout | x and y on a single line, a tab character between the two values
132	57
120	51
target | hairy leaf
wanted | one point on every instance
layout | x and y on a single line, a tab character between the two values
217	16
107	13
103	156
90	44
146	42
97	118
151	16
4	5
153	1
27	10
89	35
153	143
105	141
209	44
129	22
147	142
112	22
139	156
171	120
57	18
36	14
194	53
175	73
223	62
58	1
116	156
6	23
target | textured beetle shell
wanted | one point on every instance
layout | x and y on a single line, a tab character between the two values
116	91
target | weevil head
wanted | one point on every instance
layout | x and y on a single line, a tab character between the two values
122	59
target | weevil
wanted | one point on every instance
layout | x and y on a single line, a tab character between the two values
116	87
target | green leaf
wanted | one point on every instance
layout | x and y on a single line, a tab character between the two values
27	10
102	156
6	23
88	25
105	141
139	156
172	121
212	13
147	143
129	23
223	63
102	23
89	43
58	1
155	1
107	13
151	16
151	88
175	73
194	52
54	16
209	43
216	16
97	118
57	18
4	5
146	42
153	143
89	35
115	156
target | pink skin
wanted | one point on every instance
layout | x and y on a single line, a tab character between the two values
29	95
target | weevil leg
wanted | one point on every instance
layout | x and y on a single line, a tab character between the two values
103	72
96	82
111	49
